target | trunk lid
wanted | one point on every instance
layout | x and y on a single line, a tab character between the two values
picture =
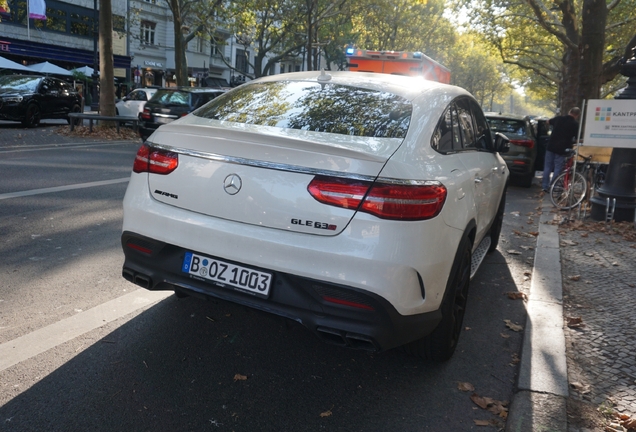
259	175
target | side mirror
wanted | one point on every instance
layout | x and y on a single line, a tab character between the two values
502	143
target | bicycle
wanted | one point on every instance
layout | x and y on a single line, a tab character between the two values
570	188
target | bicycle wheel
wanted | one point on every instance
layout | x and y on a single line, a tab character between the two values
566	193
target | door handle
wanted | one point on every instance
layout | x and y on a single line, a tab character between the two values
478	180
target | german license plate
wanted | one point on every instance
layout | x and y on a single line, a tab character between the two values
163	120
227	274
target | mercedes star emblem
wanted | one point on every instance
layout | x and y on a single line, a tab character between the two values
232	184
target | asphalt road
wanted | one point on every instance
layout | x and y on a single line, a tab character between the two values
194	365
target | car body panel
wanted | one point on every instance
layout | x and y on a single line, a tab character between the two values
133	104
405	263
368	254
54	98
159	110
521	160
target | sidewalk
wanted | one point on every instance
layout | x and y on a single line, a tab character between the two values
578	364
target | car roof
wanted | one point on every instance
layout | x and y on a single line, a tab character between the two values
505	116
406	86
194	89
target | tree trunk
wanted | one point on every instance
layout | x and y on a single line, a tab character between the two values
592	47
310	33
571	59
106	77
180	60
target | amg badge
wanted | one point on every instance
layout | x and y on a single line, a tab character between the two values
166	194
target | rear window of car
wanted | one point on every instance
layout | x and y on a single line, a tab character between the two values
319	107
172	97
510	126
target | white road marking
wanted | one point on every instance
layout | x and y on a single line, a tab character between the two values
39	341
62	188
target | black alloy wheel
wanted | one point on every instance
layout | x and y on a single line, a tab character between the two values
32	116
440	345
75	109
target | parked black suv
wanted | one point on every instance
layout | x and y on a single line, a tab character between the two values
30	98
169	104
522	156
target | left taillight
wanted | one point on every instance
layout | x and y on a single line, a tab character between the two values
155	161
418	201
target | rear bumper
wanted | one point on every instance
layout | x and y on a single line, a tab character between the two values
376	326
520	166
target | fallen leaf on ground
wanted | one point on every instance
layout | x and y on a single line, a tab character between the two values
482	422
575	277
534	233
512	326
492	405
504	335
326	413
615	264
575	322
515	359
239	377
512	295
513	252
629	424
465	386
581	388
568	243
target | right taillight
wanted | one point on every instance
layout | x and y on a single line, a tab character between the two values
417	201
155	161
523	143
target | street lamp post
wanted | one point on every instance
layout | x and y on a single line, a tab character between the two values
95	76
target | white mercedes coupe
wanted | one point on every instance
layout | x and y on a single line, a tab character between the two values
357	204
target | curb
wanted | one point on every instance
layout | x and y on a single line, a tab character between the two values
539	403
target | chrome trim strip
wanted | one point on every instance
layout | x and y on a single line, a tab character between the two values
290	168
165	115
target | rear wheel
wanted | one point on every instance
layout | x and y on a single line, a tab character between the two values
567	192
440	345
32	116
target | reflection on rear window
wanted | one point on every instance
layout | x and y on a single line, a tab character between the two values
171	97
314	107
510	126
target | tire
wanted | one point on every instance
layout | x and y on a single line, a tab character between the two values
566	196
495	228
526	180
32	116
75	109
440	345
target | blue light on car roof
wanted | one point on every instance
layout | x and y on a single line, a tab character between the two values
350	51
417	54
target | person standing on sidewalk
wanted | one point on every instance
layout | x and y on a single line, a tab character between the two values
564	132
